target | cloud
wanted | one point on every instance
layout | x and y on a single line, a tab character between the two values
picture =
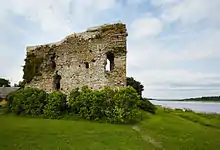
53	16
174	83
145	27
147	54
188	11
43	21
135	2
162	36
173	77
156	60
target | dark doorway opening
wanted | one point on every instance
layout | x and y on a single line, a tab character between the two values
56	81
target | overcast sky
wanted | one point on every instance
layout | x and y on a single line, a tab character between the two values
173	45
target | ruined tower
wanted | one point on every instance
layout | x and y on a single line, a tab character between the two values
95	58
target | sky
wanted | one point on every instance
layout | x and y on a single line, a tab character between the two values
173	45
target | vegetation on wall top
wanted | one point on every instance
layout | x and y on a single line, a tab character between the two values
116	26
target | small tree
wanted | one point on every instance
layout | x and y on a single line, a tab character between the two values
136	85
4	82
143	103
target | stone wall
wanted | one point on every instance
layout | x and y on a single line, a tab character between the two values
81	59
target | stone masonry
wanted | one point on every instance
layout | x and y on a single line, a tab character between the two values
80	59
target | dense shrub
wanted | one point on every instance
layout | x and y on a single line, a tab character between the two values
10	98
28	101
146	105
84	103
73	101
125	100
118	106
115	106
56	105
108	103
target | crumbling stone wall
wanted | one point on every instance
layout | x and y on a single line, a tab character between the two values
80	59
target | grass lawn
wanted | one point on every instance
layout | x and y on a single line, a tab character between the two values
173	130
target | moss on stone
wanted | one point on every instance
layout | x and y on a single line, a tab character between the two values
32	67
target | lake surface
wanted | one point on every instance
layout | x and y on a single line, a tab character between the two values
206	107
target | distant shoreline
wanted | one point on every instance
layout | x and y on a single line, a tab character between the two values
184	100
199	100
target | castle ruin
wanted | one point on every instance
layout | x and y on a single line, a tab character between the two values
79	60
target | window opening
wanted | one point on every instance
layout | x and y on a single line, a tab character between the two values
87	65
110	62
52	61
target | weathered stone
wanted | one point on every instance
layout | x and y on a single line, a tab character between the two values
81	59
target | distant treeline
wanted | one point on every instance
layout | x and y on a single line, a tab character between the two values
210	98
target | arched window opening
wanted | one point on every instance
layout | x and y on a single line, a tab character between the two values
110	61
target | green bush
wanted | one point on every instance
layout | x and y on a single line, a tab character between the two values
85	103
108	103
125	108
56	105
10	98
115	106
146	105
27	101
73	101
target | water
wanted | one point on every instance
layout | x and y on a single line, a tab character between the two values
205	107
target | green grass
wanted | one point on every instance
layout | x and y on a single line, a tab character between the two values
41	134
176	132
168	129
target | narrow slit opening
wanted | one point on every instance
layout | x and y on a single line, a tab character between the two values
87	65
